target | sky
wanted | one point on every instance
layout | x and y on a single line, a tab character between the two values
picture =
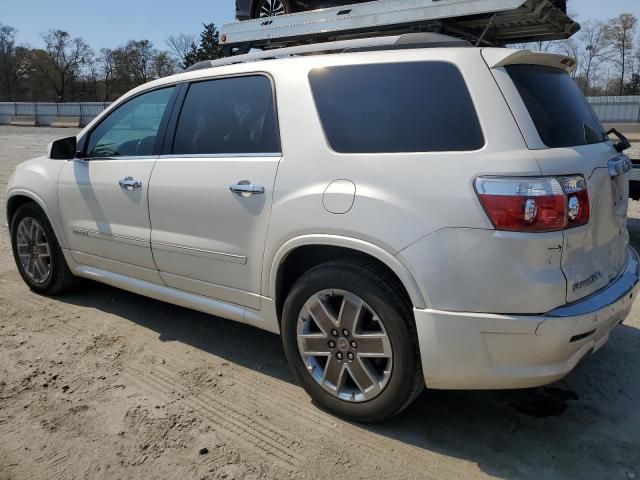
111	23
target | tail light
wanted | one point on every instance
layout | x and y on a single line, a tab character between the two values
541	204
577	200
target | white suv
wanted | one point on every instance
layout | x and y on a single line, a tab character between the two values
453	217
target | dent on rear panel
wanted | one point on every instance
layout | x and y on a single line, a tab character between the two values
477	270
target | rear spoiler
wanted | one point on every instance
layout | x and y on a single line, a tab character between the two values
499	57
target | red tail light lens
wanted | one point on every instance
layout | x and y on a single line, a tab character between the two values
542	204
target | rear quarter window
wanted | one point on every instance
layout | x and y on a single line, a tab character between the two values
396	107
561	114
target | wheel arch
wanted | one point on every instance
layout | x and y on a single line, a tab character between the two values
300	254
17	198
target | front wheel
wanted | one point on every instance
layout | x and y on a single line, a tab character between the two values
350	338
37	253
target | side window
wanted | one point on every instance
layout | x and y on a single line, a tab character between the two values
228	116
396	107
131	129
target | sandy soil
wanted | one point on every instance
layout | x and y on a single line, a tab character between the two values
100	383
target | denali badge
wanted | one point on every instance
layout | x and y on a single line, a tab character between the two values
588	281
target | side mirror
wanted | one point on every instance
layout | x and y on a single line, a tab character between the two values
63	149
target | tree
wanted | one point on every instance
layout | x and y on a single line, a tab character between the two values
209	48
164	64
65	57
107	71
14	63
571	48
633	87
592	38
181	45
138	62
135	61
619	35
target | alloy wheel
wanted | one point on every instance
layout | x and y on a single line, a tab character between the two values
272	8
344	345
33	250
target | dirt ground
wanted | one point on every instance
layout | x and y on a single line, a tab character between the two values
101	383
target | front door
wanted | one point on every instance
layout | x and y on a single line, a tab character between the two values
104	195
210	198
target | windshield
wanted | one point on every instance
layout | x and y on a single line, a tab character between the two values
561	114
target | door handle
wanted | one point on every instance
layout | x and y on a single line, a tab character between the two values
130	184
246	189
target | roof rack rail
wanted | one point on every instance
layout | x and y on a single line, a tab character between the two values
391	42
485	22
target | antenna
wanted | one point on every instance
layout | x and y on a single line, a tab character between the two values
486	30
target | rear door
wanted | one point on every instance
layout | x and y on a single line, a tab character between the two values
210	196
566	138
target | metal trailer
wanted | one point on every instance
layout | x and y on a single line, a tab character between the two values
482	22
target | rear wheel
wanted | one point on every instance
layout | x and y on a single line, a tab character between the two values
37	253
272	8
350	339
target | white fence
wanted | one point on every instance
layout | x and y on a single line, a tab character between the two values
609	109
46	112
617	109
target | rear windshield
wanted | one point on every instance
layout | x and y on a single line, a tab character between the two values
396	107
559	111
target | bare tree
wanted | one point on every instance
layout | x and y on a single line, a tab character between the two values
135	61
181	45
543	46
14	62
633	87
89	82
619	35
107	71
65	59
592	40
164	64
571	48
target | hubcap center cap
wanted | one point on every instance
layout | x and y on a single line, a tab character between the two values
343	344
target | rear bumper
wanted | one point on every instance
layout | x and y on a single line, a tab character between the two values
485	351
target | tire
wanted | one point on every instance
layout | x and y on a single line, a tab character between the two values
344	283
59	277
276	7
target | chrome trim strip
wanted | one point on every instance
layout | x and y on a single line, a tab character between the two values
221	155
118	158
107	236
624	285
198	252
